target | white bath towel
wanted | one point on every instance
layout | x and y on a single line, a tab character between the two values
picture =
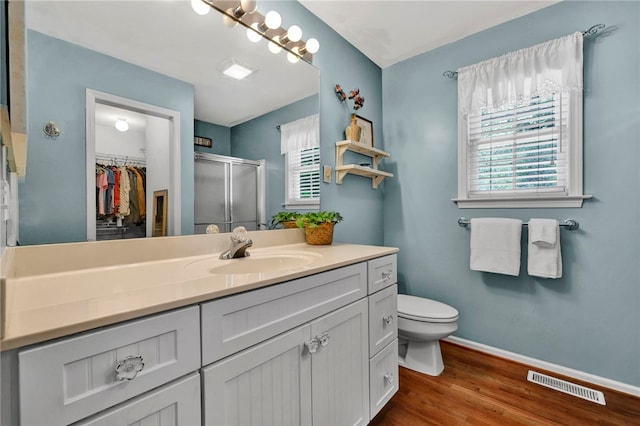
544	258
495	245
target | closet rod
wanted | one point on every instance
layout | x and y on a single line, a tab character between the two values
123	158
590	32
570	224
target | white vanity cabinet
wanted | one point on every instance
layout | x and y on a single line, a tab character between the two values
318	350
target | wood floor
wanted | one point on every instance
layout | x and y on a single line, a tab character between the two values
480	389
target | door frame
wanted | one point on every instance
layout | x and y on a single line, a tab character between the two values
175	202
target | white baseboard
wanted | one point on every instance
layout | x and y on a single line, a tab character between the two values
580	375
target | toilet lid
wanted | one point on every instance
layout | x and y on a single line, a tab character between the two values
421	309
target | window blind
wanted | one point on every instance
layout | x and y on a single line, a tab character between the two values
519	149
303	176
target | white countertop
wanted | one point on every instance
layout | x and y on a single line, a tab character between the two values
58	300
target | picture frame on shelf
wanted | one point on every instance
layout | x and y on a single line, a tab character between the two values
366	137
202	141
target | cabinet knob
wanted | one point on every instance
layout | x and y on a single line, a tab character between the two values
387	320
388	379
128	368
324	340
386	275
312	345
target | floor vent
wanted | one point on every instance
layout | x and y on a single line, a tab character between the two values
567	387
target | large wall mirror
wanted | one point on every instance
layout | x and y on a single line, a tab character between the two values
157	53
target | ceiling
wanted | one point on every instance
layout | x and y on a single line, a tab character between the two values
391	31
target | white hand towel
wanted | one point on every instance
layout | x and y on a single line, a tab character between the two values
544	257
542	232
495	245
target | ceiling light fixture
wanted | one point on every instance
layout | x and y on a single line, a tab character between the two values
122	125
237	71
267	26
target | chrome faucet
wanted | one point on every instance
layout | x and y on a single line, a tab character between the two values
239	244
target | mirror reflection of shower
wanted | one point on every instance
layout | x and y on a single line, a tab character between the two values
126	143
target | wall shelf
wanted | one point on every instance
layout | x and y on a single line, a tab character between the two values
376	155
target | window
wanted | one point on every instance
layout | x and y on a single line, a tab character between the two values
303	178
520	129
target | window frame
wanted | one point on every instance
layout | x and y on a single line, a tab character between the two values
290	201
572	197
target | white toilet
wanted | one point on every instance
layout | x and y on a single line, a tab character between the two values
421	324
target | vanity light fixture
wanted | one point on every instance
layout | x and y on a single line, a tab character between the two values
122	125
267	26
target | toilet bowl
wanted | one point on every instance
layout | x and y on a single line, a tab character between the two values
421	324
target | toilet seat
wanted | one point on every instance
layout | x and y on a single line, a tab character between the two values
425	310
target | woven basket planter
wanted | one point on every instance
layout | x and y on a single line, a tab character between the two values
319	235
289	224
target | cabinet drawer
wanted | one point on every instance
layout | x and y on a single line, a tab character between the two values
382	272
383	382
73	378
175	404
383	318
236	322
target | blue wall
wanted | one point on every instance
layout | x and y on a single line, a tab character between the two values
590	319
53	195
259	139
220	135
341	63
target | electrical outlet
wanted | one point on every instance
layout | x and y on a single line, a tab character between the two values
327	174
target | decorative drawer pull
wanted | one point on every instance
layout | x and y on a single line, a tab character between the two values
312	345
388	379
324	340
387	320
128	368
386	275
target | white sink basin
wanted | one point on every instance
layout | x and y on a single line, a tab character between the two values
256	263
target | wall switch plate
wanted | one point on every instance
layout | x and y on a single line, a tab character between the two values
327	174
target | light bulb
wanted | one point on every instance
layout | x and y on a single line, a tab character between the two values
274	47
294	34
228	20
312	45
122	125
293	57
272	19
253	35
200	7
248	6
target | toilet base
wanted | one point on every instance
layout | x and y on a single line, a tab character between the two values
423	357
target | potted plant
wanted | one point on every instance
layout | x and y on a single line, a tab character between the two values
318	226
286	219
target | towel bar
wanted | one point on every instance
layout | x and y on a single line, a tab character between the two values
570	224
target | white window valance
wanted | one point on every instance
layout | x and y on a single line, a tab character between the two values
300	134
541	70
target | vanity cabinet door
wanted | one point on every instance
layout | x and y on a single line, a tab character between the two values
340	367
268	384
383	318
384	377
175	404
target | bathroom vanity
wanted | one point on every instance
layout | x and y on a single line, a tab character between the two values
294	334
